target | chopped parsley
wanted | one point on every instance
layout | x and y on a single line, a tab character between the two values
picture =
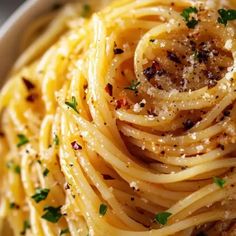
45	172
56	140
13	205
52	214
191	22
102	209
218	181
73	104
22	140
11	165
226	15
86	10
40	194
162	217
64	231
133	86
26	226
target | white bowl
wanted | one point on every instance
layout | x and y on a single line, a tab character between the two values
12	30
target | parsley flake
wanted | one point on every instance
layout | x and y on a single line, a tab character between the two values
226	15
64	231
133	86
26	226
11	165
13	205
102	209
40	194
218	181
45	172
86	10
73	104
190	21
56	140
22	140
52	214
162	217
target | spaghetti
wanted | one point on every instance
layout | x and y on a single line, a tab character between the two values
122	122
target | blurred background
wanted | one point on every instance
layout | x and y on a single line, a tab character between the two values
7	7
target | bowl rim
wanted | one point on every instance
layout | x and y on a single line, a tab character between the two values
11	30
18	13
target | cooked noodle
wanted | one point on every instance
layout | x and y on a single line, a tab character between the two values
122	122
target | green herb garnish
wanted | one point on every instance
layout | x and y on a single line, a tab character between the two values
73	104
133	86
40	194
56	140
17	169
64	231
86	10
22	140
12	166
218	181
26	226
162	217
13	205
226	15
102	209
40	162
190	21
45	172
52	214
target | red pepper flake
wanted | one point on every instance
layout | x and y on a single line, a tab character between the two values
173	57
76	146
226	113
210	75
107	177
109	89
66	186
221	146
118	51
121	103
153	70
212	83
29	85
193	45
202	56
151	112
188	124
32	97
